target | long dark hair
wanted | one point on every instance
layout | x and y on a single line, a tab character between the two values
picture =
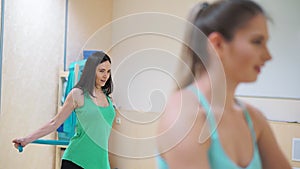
88	77
224	17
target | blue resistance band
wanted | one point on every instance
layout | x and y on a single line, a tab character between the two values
49	142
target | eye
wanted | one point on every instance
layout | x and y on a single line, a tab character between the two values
101	70
257	41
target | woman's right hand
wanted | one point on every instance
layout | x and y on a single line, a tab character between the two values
20	142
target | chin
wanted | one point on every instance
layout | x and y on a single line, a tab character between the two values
250	80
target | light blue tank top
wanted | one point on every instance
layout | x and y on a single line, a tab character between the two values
216	154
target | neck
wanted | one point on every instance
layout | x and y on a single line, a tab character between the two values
220	92
98	89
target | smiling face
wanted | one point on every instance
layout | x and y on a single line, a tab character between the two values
102	73
247	52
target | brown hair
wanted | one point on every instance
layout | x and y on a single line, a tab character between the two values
88	77
224	17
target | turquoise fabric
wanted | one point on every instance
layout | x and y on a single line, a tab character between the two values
216	154
161	163
88	148
67	129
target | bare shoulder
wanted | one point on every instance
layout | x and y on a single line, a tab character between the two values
267	144
180	127
255	112
258	118
77	91
183	106
77	97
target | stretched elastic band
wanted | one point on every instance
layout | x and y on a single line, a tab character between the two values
48	142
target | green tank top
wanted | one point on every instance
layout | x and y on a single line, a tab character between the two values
216	154
88	148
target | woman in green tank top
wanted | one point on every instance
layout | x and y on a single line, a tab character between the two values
95	113
204	126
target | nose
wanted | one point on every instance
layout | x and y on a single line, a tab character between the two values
105	74
267	56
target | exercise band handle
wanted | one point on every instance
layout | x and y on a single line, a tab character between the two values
49	142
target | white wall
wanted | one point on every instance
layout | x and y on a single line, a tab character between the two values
277	92
33	54
85	18
280	77
276	109
146	47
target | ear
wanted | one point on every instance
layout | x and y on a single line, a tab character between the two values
217	41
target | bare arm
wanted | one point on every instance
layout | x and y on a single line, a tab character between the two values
50	126
181	126
270	152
